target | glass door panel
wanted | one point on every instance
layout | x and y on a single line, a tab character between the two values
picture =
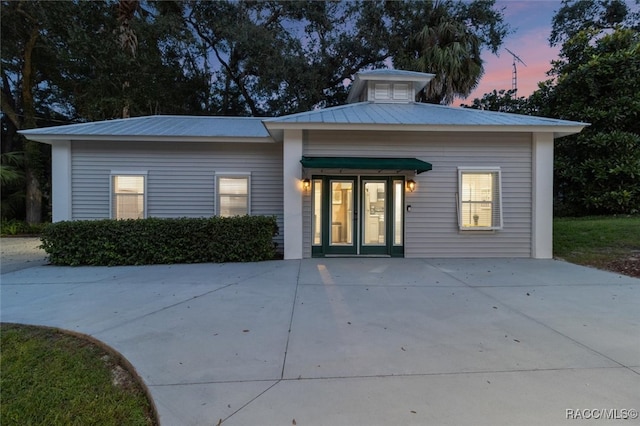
316	224
374	213
398	208
342	214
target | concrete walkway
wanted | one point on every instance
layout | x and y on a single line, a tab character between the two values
357	341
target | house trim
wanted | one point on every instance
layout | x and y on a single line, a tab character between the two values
556	130
50	139
61	181
542	196
292	173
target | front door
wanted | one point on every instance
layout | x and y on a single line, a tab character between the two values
358	215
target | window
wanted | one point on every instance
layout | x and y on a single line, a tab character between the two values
233	195
479	195
128	196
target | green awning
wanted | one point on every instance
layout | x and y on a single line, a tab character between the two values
366	163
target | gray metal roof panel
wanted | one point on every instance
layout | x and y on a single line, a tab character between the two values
163	125
416	114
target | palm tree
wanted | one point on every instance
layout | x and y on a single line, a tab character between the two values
126	10
451	52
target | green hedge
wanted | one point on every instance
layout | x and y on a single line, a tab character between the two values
160	241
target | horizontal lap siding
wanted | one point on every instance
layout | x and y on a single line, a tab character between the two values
431	228
180	176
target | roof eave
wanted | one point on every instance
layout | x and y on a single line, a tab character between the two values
51	139
276	128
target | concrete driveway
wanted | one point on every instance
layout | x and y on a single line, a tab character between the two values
357	341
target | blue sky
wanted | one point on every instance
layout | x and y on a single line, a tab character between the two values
530	21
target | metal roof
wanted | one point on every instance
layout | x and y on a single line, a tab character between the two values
157	127
357	116
418	117
416	114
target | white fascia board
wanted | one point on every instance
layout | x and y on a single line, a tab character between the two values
558	131
51	139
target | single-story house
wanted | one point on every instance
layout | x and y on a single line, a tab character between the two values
379	176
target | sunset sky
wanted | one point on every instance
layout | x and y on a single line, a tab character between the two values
530	21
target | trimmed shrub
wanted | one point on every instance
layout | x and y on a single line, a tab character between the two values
160	241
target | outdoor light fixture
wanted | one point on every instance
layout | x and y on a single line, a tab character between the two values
306	184
411	185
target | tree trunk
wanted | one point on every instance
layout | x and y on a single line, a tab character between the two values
33	153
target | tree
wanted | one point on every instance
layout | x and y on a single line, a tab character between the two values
598	170
445	38
64	62
502	101
282	57
78	61
22	43
593	15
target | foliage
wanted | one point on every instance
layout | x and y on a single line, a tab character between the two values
283	57
11	182
598	170
596	240
16	227
502	101
160	241
576	16
445	38
64	62
50	378
78	61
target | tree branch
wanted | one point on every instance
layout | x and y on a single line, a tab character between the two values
237	79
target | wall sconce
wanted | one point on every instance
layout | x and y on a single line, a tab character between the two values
306	184
411	185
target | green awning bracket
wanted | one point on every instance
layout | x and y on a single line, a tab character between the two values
366	163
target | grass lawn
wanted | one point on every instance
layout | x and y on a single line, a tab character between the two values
607	242
49	377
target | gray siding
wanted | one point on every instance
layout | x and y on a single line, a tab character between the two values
431	228
180	179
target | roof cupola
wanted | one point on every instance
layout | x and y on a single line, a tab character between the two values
387	86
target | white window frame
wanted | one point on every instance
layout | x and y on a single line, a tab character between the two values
233	175
498	199
119	173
